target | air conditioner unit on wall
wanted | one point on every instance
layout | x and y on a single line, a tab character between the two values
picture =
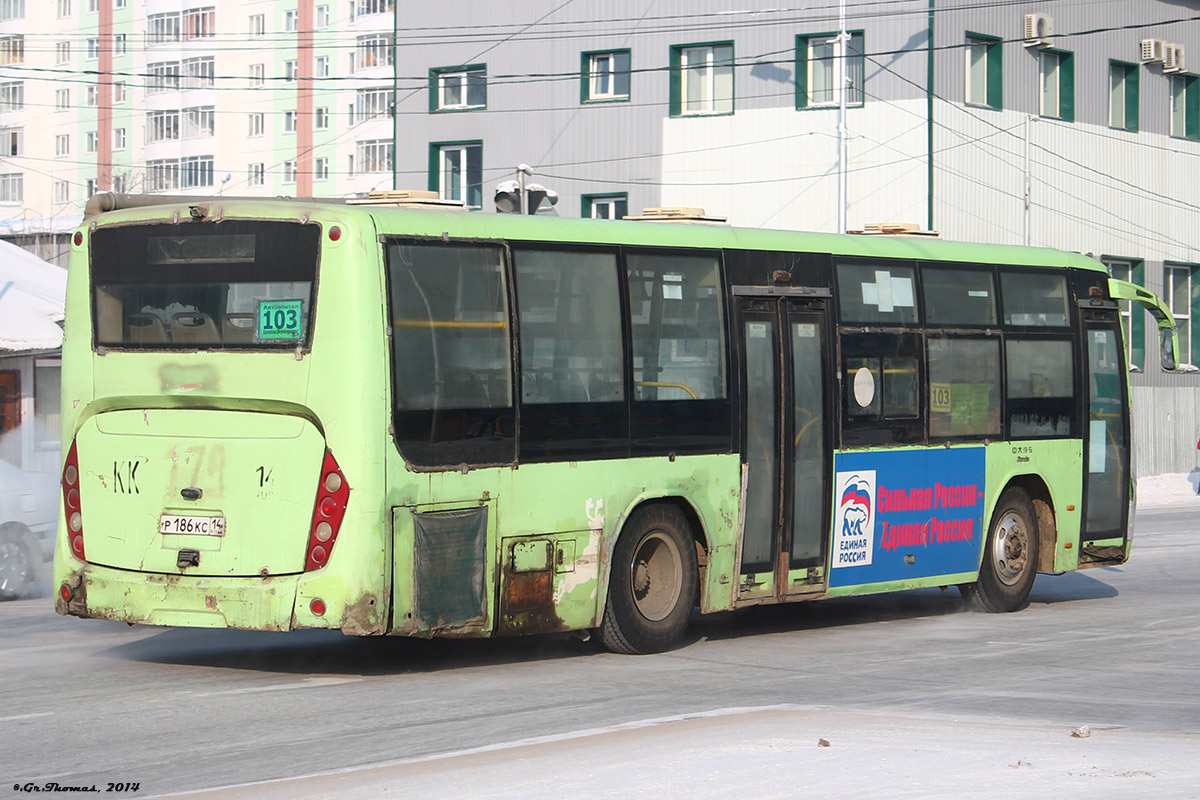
1153	51
1173	58
1038	30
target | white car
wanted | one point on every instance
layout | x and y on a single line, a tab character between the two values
28	513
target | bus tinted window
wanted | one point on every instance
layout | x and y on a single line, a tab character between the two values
956	296
1034	298
1041	387
196	285
678	335
964	386
570	327
452	374
877	293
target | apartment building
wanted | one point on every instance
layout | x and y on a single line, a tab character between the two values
207	97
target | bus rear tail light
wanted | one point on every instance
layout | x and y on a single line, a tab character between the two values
72	504
332	495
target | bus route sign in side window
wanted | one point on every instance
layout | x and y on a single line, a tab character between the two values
279	320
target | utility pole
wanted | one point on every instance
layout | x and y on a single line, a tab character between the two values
1028	181
842	78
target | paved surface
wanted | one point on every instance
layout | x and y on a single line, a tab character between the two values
913	693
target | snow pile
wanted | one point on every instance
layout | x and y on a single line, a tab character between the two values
32	295
1172	488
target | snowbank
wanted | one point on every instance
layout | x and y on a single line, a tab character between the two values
32	295
1172	488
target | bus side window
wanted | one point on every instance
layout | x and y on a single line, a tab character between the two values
451	354
964	386
881	396
1041	387
1034	299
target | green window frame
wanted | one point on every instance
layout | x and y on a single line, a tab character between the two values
1133	320
1057	77
604	76
1181	292
1123	96
591	204
985	71
1185	107
813	65
711	75
456	171
460	88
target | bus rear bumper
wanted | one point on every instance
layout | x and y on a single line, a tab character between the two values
264	604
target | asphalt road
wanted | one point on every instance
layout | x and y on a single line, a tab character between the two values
87	702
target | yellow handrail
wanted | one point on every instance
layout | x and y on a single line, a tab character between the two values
669	386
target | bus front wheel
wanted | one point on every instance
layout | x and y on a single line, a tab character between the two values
1009	558
652	587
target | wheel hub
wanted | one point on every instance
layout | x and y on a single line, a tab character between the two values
1010	550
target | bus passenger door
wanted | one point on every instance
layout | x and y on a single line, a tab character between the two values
1106	440
786	445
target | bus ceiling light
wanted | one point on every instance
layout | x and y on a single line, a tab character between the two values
72	502
328	511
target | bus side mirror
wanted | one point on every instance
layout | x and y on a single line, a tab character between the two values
1170	351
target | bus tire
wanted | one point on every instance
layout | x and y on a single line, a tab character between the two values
652	587
1009	557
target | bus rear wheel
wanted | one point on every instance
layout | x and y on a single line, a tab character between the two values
652	588
1010	557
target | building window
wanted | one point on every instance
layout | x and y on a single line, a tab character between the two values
64	8
1058	85
289	172
458	88
1123	96
605	206
1182	295
196	171
321	118
256	125
62	192
198	123
12	50
456	171
119	182
359	8
62	52
162	28
605	76
120	44
62	145
1185	106
12	141
289	122
12	9
118	139
816	70
373	51
199	23
162	126
985	71
199	73
93	96
289	71
258	76
322	66
1133	322
258	25
93	49
12	187
702	79
162	76
290	21
90	142
255	174
118	3
162	175
322	17
321	169
12	96
90	187
371	104
374	155
62	99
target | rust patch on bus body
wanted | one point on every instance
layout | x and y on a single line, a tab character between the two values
362	617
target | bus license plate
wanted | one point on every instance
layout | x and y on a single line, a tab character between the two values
202	526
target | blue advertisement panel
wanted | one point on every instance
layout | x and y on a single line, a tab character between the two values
906	514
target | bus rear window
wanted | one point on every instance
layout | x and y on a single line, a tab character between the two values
199	285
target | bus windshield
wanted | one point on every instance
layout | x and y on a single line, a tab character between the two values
234	285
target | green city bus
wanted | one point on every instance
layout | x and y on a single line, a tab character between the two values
283	414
